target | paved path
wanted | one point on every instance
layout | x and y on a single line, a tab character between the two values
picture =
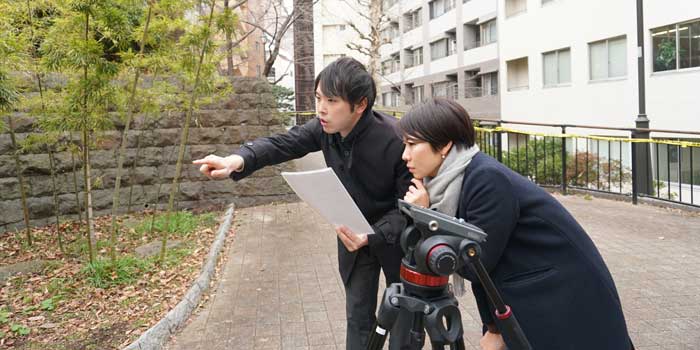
280	288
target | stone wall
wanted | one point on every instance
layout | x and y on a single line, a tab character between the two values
220	128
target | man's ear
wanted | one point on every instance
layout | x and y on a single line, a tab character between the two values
361	106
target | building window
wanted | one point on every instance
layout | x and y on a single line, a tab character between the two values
472	36
446	89
418	93
413	20
676	46
489	83
489	32
440	7
608	58
390	99
390	32
414	57
391	65
514	7
387	4
556	67
518	75
442	48
472	84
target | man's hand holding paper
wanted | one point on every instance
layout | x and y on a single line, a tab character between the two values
351	240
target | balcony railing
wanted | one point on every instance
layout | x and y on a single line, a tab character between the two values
472	45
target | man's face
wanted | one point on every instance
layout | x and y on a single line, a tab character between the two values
335	113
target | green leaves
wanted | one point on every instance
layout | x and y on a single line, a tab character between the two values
8	93
19	329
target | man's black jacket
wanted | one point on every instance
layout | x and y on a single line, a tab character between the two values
367	162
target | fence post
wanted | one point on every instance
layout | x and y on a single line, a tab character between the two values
635	171
499	147
563	160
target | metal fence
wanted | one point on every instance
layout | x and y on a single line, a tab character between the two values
598	163
593	163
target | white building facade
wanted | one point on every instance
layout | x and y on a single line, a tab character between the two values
575	62
332	31
446	48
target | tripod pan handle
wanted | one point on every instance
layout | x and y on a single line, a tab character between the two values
512	333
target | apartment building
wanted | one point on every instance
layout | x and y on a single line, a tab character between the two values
575	62
446	48
333	21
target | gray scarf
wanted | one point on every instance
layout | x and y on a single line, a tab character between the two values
445	187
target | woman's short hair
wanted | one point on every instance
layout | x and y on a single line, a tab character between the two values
438	121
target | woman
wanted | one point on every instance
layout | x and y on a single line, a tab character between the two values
540	259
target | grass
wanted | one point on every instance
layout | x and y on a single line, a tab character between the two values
182	223
70	281
126	270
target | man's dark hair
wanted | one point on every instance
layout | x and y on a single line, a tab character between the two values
348	79
438	121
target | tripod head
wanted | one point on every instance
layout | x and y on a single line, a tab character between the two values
435	246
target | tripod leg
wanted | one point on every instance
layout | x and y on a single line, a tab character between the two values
437	345
458	345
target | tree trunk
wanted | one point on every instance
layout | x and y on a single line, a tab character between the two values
229	47
20	178
75	184
185	134
86	161
55	201
375	13
133	172
122	147
304	57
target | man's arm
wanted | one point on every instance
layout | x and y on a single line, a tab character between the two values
264	151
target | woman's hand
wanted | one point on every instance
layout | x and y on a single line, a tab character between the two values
492	341
417	194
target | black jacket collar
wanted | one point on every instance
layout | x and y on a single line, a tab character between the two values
365	121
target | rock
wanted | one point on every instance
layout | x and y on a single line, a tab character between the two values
36	319
32	266
153	248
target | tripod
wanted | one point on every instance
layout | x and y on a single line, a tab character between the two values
435	246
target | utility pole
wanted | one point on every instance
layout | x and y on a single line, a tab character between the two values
304	58
641	153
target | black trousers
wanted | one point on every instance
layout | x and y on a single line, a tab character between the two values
361	298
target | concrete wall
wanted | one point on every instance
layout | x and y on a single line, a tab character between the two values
248	113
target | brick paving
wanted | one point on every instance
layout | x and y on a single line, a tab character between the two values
280	288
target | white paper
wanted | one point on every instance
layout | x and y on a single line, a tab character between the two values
324	192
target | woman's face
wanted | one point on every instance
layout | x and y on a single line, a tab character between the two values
421	159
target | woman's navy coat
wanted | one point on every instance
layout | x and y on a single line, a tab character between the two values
542	261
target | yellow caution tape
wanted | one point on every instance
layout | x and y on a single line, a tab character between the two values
600	138
683	144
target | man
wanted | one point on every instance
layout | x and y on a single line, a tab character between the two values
364	150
